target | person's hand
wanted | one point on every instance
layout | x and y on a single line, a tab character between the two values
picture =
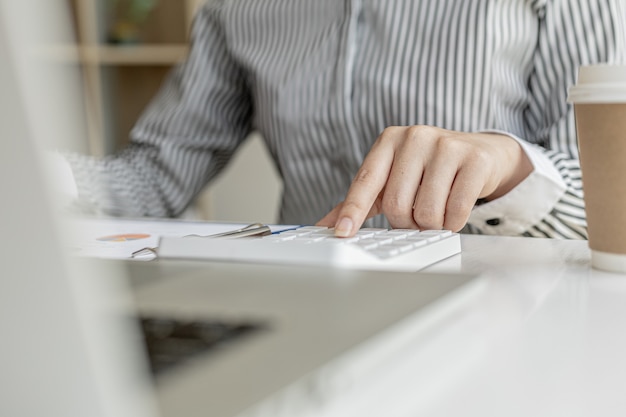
423	177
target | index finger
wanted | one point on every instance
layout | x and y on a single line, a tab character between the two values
364	190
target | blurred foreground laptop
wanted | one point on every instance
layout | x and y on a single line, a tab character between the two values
224	339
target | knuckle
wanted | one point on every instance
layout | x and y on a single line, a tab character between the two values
450	145
422	133
394	207
423	130
364	176
389	133
426	218
415	131
398	212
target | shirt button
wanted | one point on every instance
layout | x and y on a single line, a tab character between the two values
493	222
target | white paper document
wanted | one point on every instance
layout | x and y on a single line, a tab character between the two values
115	238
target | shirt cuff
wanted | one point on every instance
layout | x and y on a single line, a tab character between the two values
525	205
62	176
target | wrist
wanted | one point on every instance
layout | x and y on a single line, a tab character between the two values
515	164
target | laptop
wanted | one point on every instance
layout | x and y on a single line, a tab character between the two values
111	338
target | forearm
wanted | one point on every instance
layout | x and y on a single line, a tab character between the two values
183	139
138	182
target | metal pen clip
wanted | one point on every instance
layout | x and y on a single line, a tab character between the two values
254	229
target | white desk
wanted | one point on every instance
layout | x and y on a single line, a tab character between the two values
550	335
546	336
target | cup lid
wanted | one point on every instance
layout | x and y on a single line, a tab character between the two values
602	83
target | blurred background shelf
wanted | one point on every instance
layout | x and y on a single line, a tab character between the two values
167	54
121	75
135	55
120	78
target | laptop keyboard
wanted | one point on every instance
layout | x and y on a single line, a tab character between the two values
171	342
370	249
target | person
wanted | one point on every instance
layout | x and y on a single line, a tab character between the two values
470	97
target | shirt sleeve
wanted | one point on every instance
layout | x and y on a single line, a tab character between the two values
549	202
528	203
184	138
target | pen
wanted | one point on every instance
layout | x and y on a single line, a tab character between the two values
254	229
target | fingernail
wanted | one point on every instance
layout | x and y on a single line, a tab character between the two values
343	227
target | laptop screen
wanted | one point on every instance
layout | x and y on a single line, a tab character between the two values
65	348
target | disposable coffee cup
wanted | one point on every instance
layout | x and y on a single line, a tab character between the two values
599	99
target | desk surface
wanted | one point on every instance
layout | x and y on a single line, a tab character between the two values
545	337
549	335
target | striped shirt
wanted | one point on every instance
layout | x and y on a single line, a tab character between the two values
322	79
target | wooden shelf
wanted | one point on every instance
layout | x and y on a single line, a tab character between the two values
128	55
167	54
121	79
